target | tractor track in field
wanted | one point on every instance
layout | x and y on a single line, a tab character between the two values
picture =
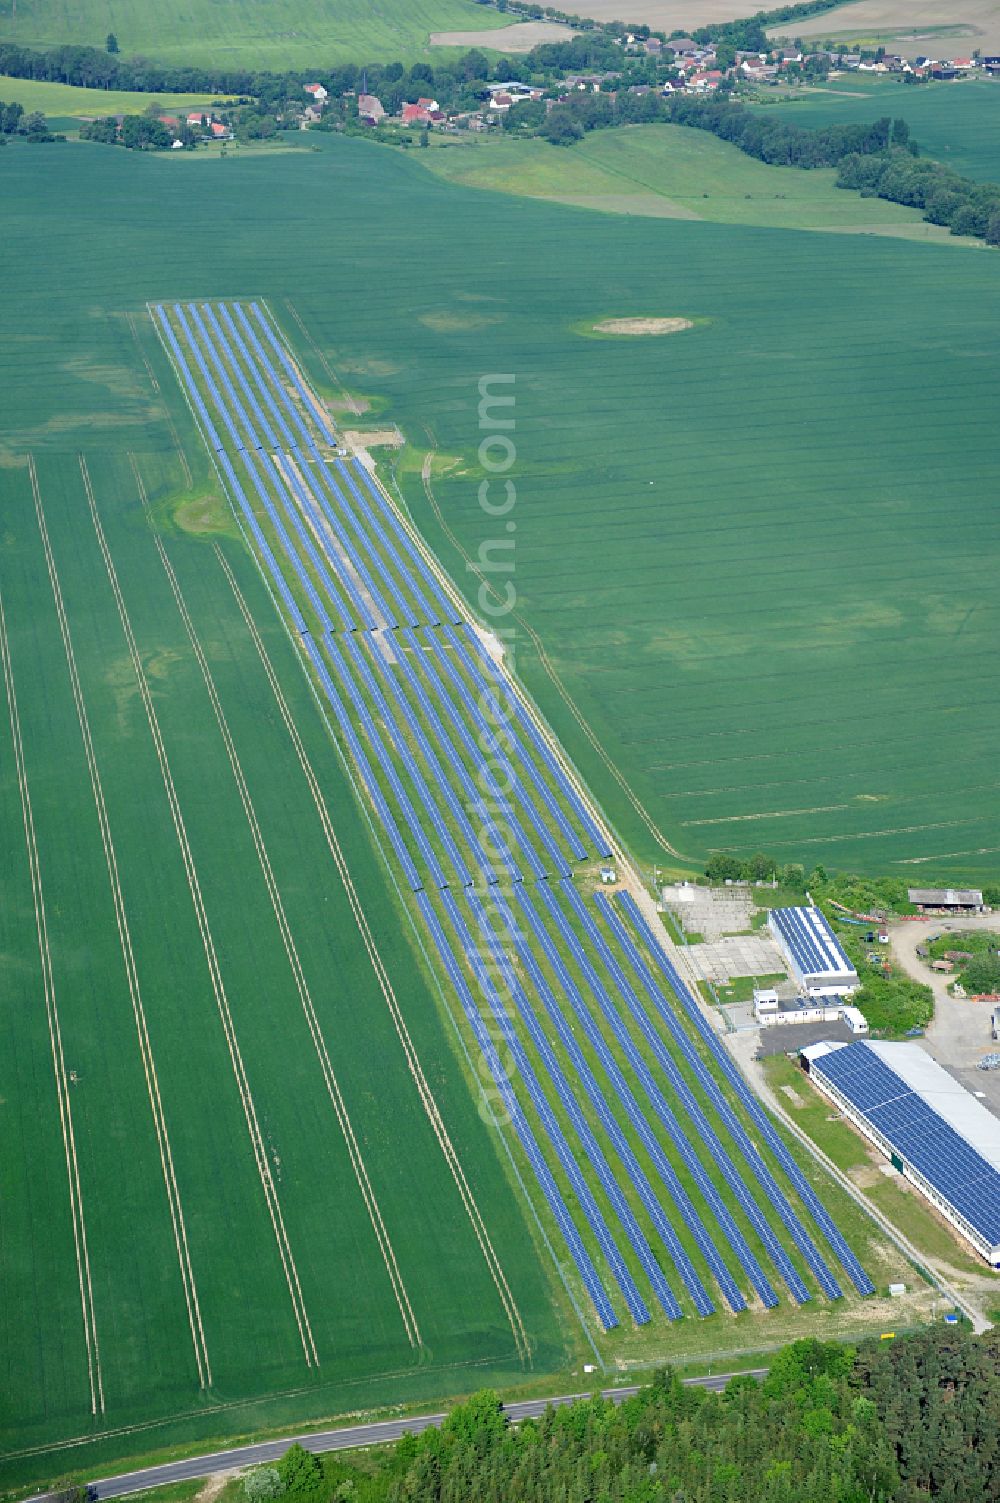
298	975
85	1282
174	1201
522	1340
208	943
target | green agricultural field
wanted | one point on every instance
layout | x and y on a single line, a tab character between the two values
750	554
277	34
212	1222
956	123
63	101
670	171
753	584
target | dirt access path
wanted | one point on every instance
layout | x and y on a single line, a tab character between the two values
959	1033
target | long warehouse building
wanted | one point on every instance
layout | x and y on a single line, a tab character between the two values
928	1125
815	957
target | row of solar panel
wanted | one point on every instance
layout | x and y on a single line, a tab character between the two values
646	1194
229	406
232	406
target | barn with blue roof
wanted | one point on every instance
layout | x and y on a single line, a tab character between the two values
926	1123
815	957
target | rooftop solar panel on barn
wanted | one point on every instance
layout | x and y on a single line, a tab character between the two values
812	944
918	1133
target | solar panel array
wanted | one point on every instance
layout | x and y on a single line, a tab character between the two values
918	1134
638	1147
811	942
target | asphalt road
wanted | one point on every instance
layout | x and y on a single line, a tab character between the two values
337	1440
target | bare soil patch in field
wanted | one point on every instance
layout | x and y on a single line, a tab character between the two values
946	25
636	326
662	15
372	438
518	38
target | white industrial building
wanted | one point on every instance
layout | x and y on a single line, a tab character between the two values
815	957
928	1125
771	1010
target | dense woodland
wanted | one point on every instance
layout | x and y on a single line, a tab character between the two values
899	1421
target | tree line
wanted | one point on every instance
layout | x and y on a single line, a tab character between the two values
902	1421
97	68
878	160
749	33
946	198
762	136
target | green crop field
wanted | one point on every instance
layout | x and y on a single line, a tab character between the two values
669	171
755	553
275	35
957	123
64	102
211	1219
753	573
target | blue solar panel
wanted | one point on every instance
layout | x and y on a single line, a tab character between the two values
445	610
721	1155
367	528
611	1012
765	1126
473	795
810	940
541	746
482	969
490	745
627	1098
264	378
385	760
503	732
424	713
917	1133
245	455
710	1085
440	783
584	1264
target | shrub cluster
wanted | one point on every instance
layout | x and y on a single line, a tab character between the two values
138	133
14	122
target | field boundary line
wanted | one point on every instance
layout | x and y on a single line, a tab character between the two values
431	1108
298	973
356	411
208	944
553	742
94	1374
128	957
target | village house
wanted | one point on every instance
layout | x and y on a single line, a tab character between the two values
319	94
370	108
